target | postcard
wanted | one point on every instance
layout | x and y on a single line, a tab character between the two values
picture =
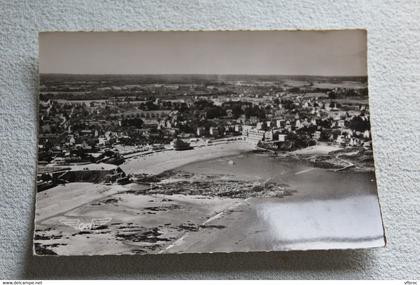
204	141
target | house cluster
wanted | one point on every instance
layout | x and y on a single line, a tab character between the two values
88	130
305	121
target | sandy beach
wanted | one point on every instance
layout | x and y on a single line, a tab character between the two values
153	221
317	149
194	216
134	224
62	198
159	162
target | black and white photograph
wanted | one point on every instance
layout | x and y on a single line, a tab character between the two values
204	141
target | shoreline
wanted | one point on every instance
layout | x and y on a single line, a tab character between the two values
159	162
334	158
316	149
161	221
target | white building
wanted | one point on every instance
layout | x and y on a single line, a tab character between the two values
298	124
282	137
214	131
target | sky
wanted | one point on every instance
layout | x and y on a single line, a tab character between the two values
330	53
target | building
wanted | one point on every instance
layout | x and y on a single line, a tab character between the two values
316	135
214	131
252	135
281	137
201	131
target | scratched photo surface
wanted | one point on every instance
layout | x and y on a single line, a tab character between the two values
210	141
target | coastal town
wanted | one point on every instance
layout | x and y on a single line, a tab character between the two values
203	142
154	164
89	128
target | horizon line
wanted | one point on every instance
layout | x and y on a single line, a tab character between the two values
203	74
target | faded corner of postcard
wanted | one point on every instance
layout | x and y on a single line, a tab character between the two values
195	142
